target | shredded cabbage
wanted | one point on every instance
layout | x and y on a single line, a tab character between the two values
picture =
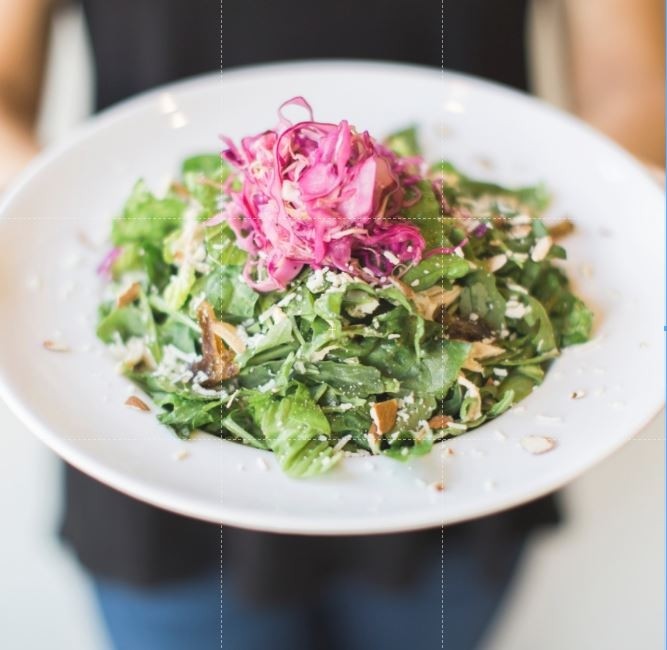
322	195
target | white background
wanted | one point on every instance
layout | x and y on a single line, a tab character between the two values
596	583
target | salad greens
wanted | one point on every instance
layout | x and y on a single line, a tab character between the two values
338	362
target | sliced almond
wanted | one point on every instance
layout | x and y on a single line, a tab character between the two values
519	232
479	350
431	301
473	391
229	335
383	415
137	354
128	295
541	249
496	262
136	403
342	442
54	346
561	229
537	444
180	190
374	439
439	421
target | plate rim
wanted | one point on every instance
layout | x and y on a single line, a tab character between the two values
88	463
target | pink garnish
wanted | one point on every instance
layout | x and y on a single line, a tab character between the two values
481	230
104	269
447	250
321	195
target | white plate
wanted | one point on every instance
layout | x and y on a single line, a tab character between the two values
74	401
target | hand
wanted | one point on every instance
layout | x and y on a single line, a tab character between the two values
17	147
657	173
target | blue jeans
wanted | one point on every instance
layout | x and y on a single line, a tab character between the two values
347	614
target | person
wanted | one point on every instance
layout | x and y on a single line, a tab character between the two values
168	582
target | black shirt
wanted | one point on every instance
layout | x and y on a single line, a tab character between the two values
138	44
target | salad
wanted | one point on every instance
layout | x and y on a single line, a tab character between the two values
318	293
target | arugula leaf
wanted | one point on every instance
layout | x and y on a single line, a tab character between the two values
410	444
221	246
427	214
146	219
520	382
297	431
352	379
404	142
178	290
534	198
126	322
185	415
543	338
433	374
231	298
202	177
318	354
435	270
208	164
574	322
481	296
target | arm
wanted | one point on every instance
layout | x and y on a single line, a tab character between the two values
618	71
23	39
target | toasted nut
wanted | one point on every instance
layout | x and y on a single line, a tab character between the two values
561	229
180	190
519	232
137	403
383	415
229	335
430	302
374	439
537	444
128	295
496	262
217	360
439	421
54	346
480	350
541	249
438	486
462	329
